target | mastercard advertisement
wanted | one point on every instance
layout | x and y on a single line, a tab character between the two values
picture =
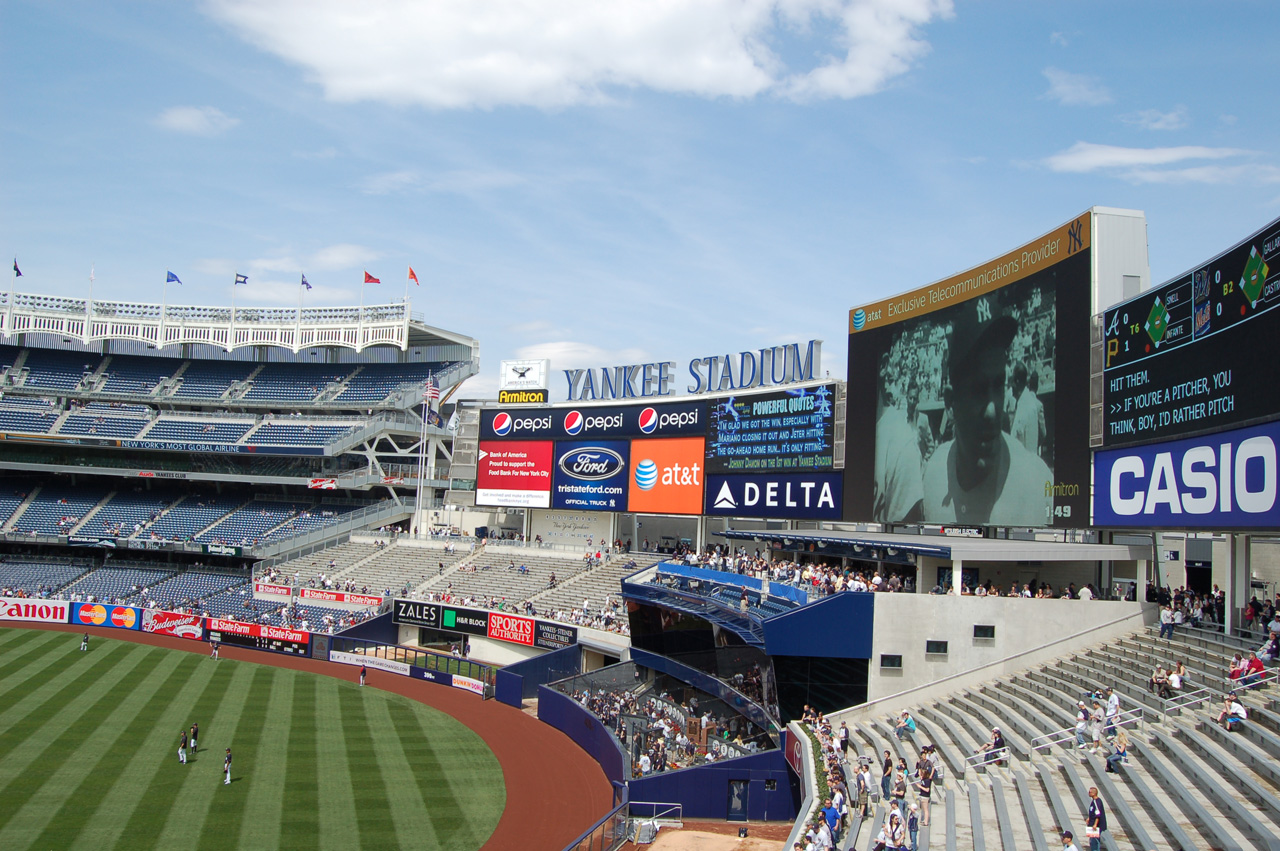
103	614
667	476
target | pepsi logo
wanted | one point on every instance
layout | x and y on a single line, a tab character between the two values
502	423
591	463
648	421
573	422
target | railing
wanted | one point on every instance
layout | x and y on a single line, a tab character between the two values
605	835
427	659
1068	734
1186	700
1260	680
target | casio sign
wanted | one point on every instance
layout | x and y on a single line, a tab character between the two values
575	422
591	463
1207	480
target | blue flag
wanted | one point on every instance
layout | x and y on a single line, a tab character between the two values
304	282
241	279
170	278
17	273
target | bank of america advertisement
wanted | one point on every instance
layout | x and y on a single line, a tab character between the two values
515	474
968	398
591	475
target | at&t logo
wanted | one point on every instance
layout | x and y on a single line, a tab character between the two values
676	475
646	471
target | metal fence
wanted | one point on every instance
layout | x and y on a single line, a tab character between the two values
426	659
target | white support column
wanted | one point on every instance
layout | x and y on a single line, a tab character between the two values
957	574
1230	588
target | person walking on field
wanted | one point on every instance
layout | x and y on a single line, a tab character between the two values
362	674
195	731
84	642
213	650
182	747
226	767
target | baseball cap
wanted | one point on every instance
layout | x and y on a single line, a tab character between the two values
977	325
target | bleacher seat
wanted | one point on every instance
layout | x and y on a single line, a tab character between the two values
57	508
197	431
295	382
102	426
205	379
31	576
285	434
137	375
57	369
375	382
109	584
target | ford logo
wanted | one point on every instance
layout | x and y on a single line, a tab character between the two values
591	463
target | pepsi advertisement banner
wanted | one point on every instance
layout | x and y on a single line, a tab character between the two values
610	421
1224	481
99	614
777	496
788	430
591	475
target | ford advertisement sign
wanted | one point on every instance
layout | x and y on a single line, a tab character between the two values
1221	481
778	496
590	422
591	476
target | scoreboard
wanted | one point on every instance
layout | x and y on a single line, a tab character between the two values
787	431
1195	354
259	636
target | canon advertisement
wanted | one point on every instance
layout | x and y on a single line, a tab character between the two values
27	609
787	431
591	422
591	475
515	474
968	398
1193	356
115	617
808	496
1221	481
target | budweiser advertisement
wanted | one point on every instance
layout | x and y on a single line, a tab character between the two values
173	623
26	609
323	484
342	598
97	614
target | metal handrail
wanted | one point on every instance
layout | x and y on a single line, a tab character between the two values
1272	675
1185	700
1068	734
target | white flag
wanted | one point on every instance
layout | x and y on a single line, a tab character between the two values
453	422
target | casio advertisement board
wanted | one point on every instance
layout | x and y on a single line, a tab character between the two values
787	430
1221	481
515	474
594	422
1196	355
800	496
969	397
591	475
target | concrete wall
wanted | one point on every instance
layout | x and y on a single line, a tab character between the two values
570	528
493	652
1024	632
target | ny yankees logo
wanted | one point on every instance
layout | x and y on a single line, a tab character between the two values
1075	237
984	310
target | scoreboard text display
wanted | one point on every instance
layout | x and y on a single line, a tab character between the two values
1195	355
260	636
790	431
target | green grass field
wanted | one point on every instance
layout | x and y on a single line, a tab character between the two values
88	756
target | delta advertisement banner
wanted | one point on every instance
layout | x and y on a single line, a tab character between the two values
969	397
591	422
29	609
342	598
173	623
114	617
798	496
667	476
1224	481
591	476
515	474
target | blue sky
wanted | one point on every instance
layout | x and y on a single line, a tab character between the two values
620	182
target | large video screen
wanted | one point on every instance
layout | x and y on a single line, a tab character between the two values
1194	355
790	430
968	398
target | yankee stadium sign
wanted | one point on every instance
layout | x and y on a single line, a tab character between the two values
717	373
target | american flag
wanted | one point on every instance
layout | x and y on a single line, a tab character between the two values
432	392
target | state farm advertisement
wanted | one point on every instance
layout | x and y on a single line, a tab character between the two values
173	623
26	609
361	601
253	630
511	628
97	614
515	474
267	590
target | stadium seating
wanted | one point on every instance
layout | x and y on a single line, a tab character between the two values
136	375
56	509
197	430
27	420
102	426
295	382
127	511
375	382
190	516
238	603
202	379
114	585
287	434
58	370
31	576
187	589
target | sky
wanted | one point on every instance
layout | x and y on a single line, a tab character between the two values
622	182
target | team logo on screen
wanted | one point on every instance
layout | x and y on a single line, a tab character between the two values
592	463
502	424
859	319
646	474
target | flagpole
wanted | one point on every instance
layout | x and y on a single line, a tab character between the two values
231	338
297	339
88	308
406	291
13	285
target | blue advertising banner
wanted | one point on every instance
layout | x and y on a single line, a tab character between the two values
105	614
591	475
594	422
1221	481
438	677
811	496
785	431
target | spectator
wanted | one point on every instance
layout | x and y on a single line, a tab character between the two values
994	749
906	726
1253	670
1120	753
1113	711
886	777
1096	822
1069	842
1233	713
1082	724
1096	718
1166	621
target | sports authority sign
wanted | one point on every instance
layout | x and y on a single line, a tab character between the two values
512	628
173	623
340	598
546	635
26	609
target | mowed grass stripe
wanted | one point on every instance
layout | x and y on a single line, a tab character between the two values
446	812
226	812
78	722
300	774
408	806
58	664
337	826
373	807
67	822
92	746
267	778
41	720
20	662
127	817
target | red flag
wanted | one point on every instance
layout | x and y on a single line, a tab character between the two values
413	277
370	279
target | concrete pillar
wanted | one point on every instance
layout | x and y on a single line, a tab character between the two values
1230	588
957	574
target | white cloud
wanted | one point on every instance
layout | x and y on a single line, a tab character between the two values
1058	38
1154	119
574	354
1075	89
562	52
1210	174
1083	157
196	120
342	256
458	182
